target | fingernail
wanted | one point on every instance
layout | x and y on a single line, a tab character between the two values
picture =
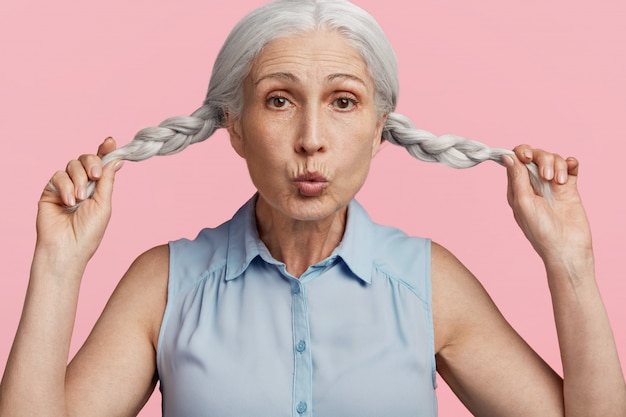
507	160
82	193
548	173
95	171
562	178
70	200
117	165
528	154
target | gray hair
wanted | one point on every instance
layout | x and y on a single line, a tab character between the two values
283	18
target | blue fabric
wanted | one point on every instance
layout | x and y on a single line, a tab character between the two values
352	337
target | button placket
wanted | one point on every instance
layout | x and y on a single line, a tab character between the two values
303	377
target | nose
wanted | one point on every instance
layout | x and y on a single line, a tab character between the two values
311	135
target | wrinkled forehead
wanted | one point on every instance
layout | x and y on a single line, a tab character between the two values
316	53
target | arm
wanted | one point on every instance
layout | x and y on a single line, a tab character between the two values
35	381
486	363
559	232
114	372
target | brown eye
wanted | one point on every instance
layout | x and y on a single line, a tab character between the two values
344	103
278	102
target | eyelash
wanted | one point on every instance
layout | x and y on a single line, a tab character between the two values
353	102
277	97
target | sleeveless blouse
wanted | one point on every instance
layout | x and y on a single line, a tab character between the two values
352	337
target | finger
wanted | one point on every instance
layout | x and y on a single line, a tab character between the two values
546	163
63	187
518	180
104	187
560	170
107	146
92	165
572	166
524	153
78	176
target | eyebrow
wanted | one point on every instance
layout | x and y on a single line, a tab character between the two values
342	76
287	76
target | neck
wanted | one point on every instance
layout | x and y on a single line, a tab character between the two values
297	243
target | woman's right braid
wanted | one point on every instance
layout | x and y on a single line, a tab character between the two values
170	137
450	150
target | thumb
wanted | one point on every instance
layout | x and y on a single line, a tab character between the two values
519	181
104	186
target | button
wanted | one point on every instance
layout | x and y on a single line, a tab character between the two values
301	346
295	289
301	408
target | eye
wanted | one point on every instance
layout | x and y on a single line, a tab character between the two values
344	103
278	102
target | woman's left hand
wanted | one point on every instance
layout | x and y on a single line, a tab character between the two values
557	228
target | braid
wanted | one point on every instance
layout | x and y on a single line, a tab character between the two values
171	136
451	150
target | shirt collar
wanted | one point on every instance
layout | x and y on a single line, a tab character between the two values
243	240
355	249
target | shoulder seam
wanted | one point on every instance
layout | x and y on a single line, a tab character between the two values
401	281
201	277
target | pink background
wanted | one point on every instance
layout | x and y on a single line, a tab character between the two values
546	73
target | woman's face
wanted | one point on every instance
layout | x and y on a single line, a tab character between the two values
308	128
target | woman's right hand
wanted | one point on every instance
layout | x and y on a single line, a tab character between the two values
77	233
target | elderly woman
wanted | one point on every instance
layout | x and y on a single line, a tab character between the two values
300	305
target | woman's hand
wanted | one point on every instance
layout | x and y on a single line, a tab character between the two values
557	228
77	233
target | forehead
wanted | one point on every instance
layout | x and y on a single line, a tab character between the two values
310	54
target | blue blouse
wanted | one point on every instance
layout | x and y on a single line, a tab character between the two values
352	337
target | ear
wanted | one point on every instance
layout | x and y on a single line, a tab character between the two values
233	126
378	136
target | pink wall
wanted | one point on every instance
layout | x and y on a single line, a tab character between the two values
546	73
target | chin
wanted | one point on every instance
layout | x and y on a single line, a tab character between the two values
304	208
314	208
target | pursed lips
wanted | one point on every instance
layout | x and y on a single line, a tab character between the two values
311	184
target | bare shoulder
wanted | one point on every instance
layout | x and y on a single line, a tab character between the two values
122	344
153	264
144	287
459	299
154	260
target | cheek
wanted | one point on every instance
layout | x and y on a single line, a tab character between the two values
364	137
264	149
262	130
255	136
